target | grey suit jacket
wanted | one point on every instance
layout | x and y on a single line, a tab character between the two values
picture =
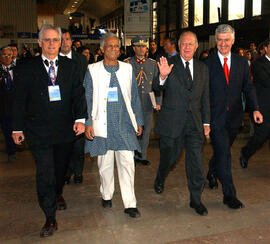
179	98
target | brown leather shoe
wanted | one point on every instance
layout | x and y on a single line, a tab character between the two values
61	203
48	228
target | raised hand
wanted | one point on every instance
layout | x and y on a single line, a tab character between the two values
164	68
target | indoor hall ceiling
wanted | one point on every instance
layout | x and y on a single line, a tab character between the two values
98	8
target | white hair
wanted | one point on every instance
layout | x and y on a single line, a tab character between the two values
108	35
187	32
6	48
224	28
49	27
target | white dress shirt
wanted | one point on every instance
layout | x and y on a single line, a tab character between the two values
69	55
229	61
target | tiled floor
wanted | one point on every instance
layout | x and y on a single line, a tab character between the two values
166	218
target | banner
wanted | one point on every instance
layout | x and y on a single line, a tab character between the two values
137	18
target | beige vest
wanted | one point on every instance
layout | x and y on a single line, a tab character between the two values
101	80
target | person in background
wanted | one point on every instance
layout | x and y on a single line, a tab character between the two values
169	46
123	55
89	56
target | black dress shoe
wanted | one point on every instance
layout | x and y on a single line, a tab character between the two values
200	209
67	180
159	187
61	203
243	161
106	203
132	212
142	161
48	228
78	179
233	202
213	184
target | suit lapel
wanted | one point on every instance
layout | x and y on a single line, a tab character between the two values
219	69
60	71
43	77
233	69
180	71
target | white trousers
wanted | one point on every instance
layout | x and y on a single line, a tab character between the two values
126	172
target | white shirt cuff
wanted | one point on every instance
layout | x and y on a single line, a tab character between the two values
161	82
80	120
17	131
207	124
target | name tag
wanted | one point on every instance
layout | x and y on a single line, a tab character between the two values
112	94
54	93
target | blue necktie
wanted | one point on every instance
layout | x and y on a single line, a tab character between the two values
52	73
8	79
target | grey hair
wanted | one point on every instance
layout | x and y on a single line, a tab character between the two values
108	35
6	48
187	32
49	27
224	28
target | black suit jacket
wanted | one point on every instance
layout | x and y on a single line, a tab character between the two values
7	95
81	62
261	74
225	101
179	98
45	122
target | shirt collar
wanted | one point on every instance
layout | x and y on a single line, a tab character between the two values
184	61
173	54
44	58
69	55
267	57
222	57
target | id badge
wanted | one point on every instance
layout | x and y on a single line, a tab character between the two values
54	93
112	94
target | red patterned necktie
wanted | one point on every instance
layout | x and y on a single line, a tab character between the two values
226	70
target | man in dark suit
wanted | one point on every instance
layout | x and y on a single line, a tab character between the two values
7	75
49	107
261	75
185	116
77	157
229	77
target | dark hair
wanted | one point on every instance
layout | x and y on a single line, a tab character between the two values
13	45
267	42
65	31
171	40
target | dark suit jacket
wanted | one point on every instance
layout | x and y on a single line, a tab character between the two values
7	95
223	96
261	74
178	99
45	122
81	62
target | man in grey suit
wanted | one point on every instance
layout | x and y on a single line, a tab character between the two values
145	69
185	116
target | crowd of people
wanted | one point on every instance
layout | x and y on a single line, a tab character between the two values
66	102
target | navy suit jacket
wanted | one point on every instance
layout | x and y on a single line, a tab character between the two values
226	100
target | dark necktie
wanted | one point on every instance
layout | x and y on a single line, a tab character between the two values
188	71
8	79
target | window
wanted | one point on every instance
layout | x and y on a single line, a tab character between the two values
154	20
185	14
236	9
213	14
257	7
198	12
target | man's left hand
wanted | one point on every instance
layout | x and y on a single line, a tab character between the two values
79	128
140	129
158	107
206	129
258	118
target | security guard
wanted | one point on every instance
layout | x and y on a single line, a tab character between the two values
145	70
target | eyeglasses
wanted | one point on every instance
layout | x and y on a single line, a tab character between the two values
48	40
6	55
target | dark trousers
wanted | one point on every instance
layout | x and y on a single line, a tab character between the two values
6	125
261	134
76	163
51	164
170	150
220	163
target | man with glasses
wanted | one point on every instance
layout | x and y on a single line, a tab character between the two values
49	109
6	99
